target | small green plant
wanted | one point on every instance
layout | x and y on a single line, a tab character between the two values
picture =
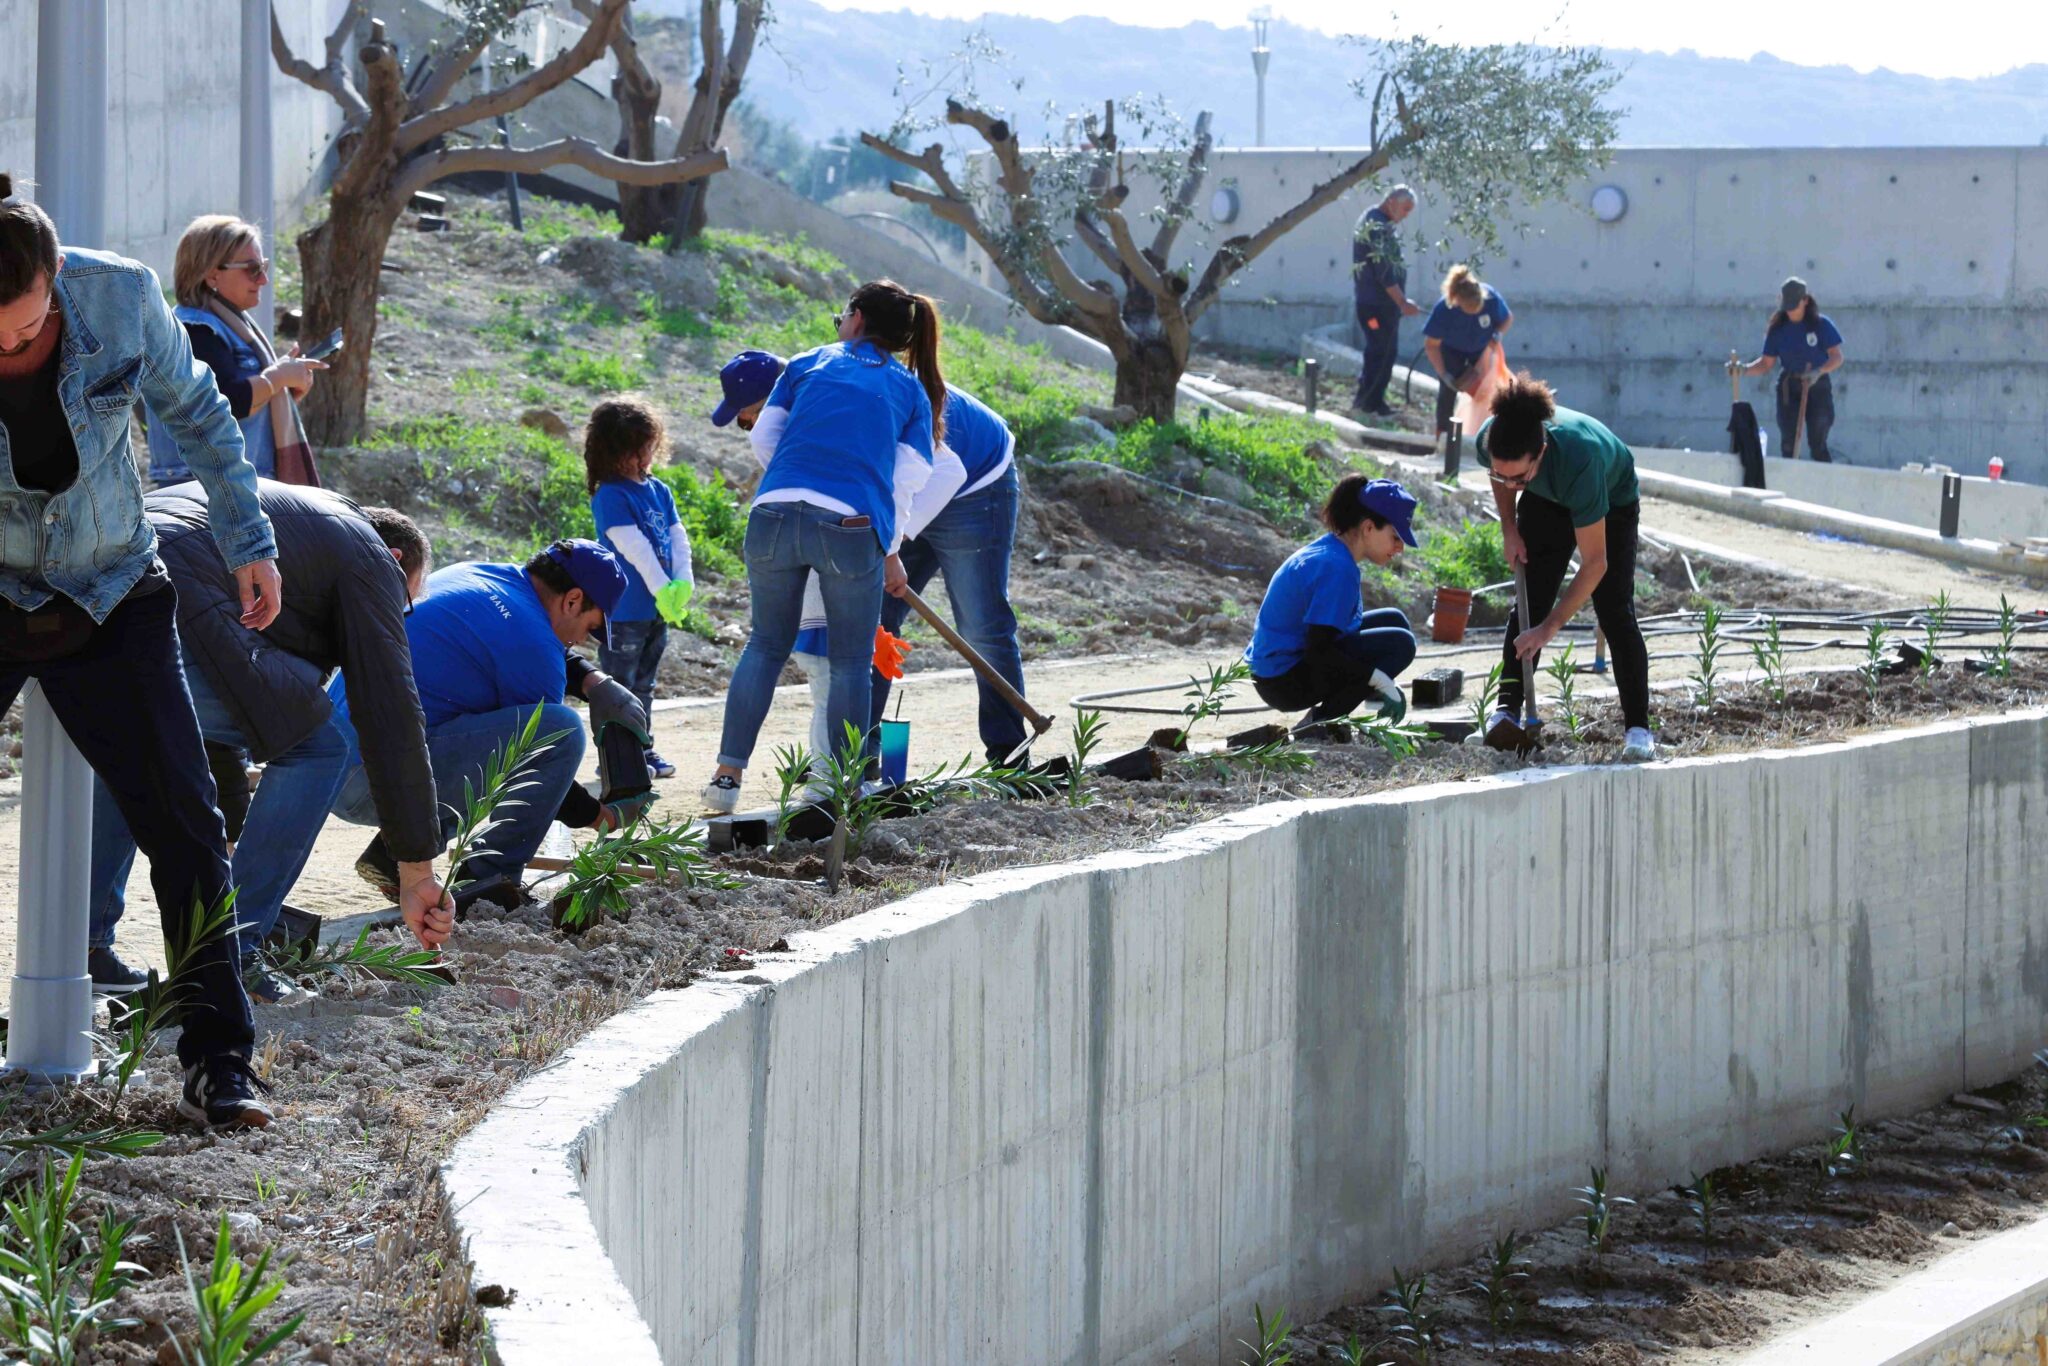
1207	697
1851	1136
1770	659
1564	676
1998	660
359	958
478	814
226	1306
1872	667
845	775
73	1139
1935	620
1275	1339
1706	676
1506	1270
1355	1354
1087	735
56	1285
1600	1209
1469	557
1703	1200
793	764
1488	695
603	871
1411	1316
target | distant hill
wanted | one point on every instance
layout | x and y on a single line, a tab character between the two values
827	72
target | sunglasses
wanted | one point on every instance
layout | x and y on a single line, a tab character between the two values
259	269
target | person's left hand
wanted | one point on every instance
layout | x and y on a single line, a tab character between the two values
1530	643
427	907
262	593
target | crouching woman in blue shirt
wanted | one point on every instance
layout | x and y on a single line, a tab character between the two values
847	445
1315	646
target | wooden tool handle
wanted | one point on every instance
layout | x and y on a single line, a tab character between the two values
1039	721
1734	378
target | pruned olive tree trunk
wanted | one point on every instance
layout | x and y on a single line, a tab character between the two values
394	144
1494	129
677	207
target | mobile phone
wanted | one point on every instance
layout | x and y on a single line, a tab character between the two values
322	350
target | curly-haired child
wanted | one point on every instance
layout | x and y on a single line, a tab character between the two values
636	519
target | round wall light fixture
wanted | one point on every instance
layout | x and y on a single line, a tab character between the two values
1610	202
1224	205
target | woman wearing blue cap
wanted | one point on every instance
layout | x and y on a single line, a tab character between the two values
1809	346
1315	645
848	439
1565	484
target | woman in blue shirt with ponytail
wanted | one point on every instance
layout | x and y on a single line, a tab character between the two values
847	441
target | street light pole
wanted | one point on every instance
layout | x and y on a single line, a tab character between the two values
258	188
1261	55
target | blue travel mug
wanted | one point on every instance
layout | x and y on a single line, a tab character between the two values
895	752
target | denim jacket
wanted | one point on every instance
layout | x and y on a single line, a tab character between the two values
90	541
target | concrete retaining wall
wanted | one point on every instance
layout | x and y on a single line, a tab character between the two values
1095	1112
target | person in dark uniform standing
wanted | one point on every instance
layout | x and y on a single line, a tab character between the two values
1808	346
1379	289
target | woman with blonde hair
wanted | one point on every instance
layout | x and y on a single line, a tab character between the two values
1463	339
218	278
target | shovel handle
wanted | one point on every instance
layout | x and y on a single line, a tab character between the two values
1040	722
1734	377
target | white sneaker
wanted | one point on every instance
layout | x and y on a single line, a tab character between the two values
1500	714
721	795
1638	746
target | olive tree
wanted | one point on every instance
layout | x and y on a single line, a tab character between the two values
400	135
1493	129
677	208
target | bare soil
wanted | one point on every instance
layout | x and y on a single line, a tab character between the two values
376	1081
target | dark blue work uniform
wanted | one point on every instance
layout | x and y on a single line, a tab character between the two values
1376	267
1462	337
1802	348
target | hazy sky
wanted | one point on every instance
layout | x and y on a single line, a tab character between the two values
1878	33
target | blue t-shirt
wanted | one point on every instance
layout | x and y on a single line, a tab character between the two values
850	405
1317	586
974	432
647	505
1468	333
1801	347
481	642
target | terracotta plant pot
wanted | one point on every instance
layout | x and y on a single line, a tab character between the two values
1453	609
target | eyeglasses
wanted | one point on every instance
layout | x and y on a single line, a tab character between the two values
1521	481
259	269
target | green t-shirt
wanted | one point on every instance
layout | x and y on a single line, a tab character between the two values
1586	470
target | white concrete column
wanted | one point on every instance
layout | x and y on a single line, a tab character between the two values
50	1015
71	118
258	189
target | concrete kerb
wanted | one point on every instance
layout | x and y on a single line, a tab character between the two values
1103	1269
1769	506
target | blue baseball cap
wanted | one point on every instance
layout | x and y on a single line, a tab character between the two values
748	378
597	572
1392	504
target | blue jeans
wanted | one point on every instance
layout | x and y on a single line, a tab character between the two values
970	543
284	818
459	748
634	658
785	542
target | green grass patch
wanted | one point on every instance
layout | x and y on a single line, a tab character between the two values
1470	557
558	220
1270	454
599	374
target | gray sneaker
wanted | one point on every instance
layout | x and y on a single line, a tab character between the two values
721	795
1638	746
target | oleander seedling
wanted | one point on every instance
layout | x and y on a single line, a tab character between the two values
1706	676
1703	1200
1935	620
1275	1345
1087	736
1506	1270
1564	676
1769	654
1207	697
1872	667
1600	1209
1411	1316
1487	696
1998	661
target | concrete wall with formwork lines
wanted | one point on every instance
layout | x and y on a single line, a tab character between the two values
1096	1112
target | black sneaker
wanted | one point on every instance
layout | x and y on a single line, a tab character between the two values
110	976
270	988
376	867
220	1092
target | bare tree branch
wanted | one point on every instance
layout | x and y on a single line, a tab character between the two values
1183	203
434	123
425	170
1092	237
1015	179
331	79
386	99
1102	138
1238	252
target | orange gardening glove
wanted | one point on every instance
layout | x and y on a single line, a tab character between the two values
889	653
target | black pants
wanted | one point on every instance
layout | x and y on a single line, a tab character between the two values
122	700
1382	329
1548	534
1459	364
1820	415
1333	679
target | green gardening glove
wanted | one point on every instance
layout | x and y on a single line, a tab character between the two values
673	598
1393	705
